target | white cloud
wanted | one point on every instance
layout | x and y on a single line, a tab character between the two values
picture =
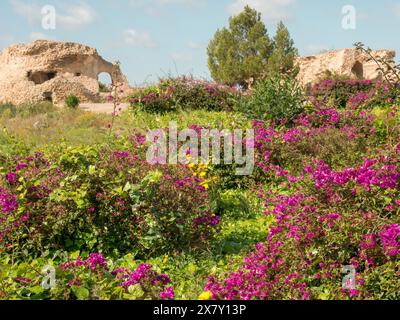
30	11
270	9
67	16
137	38
77	15
182	56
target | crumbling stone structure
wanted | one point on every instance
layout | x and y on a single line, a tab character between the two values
49	70
347	62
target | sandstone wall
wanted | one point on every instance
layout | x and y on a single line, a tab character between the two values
48	70
347	62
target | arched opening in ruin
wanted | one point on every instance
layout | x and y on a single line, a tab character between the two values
39	77
358	70
105	81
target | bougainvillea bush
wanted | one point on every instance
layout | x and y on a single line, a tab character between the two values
354	93
90	277
102	199
326	219
185	93
342	208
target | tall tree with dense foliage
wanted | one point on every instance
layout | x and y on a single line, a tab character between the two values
284	53
241	52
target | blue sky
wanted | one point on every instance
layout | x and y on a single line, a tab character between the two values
155	38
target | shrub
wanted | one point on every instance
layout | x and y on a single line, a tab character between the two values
72	101
325	220
104	88
338	138
277	98
8	110
184	94
338	92
354	93
238	204
104	200
327	216
84	277
386	124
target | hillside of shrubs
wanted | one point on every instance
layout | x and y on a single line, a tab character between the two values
87	205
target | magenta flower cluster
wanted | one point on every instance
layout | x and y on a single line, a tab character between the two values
94	261
208	219
390	238
148	279
11	178
8	202
385	176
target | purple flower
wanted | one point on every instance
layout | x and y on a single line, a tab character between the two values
390	239
209	219
74	283
168	293
11	177
163	278
369	242
121	154
21	166
121	273
95	260
8	202
141	272
22	280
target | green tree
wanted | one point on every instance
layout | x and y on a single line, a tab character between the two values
284	53
241	52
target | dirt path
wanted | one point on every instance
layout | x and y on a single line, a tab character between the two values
101	107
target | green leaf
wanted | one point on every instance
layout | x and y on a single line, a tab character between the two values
127	187
37	290
75	254
136	291
92	170
81	293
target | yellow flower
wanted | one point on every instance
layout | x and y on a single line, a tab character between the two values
205	185
165	260
202	174
205	296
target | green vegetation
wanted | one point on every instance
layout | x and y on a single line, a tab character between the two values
87	203
275	98
244	53
72	101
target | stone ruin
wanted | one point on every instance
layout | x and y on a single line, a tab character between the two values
49	70
351	63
